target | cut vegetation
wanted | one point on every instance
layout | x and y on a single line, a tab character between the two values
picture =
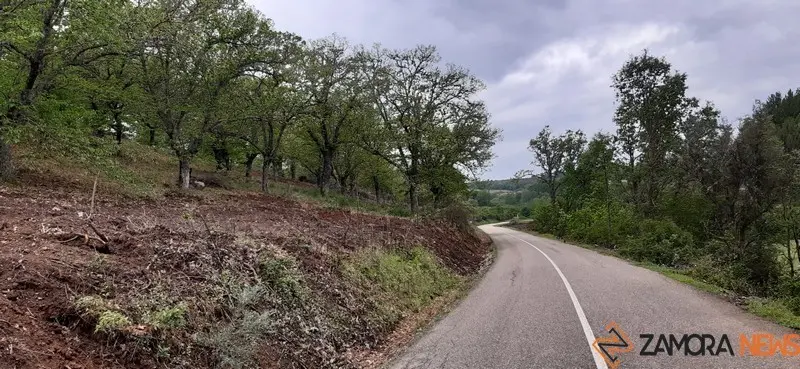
214	279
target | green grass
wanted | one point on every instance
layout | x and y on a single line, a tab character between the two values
400	282
774	310
140	171
682	277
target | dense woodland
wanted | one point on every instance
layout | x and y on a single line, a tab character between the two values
677	185
214	78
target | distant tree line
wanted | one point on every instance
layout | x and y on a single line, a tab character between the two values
215	76
677	185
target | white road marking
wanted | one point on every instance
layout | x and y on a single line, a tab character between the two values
587	329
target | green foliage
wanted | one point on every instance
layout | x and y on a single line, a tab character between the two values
400	281
427	151
92	306
514	184
683	277
660	242
555	155
548	218
601	225
675	186
168	318
775	310
282	275
111	322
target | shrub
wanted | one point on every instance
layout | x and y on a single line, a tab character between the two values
660	242
791	290
497	213
91	306
237	343
400	282
111	321
168	318
457	214
600	225
547	218
400	211
282	275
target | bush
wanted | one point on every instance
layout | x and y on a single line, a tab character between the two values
400	281
168	318
111	322
596	225
547	218
660	242
790	290
283	276
236	344
400	211
457	214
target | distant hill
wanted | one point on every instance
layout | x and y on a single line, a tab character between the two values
511	184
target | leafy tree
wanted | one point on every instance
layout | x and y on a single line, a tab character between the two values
430	119
651	103
554	155
759	173
337	101
45	39
194	52
264	106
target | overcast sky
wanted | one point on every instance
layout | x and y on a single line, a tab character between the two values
551	61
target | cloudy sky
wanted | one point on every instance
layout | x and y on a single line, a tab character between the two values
551	61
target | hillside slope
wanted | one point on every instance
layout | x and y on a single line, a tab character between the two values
212	279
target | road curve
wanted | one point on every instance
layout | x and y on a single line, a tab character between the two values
543	302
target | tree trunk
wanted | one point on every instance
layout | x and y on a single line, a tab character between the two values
264	175
248	164
277	166
552	193
119	130
413	199
292	169
152	140
438	195
353	187
377	185
796	245
325	174
343	184
789	257
185	173
6	163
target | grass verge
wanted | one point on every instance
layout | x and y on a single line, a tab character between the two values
769	308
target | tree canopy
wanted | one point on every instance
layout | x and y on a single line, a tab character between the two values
217	78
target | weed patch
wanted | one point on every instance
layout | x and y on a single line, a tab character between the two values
775	310
400	281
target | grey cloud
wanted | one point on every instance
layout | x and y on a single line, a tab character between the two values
550	62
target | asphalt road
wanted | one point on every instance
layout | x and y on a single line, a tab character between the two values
543	303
